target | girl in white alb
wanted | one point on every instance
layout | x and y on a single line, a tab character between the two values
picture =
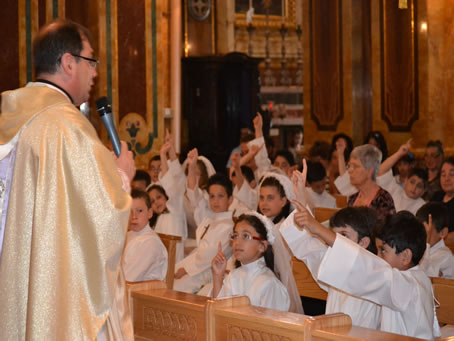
252	240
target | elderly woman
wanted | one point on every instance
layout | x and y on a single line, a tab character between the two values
362	169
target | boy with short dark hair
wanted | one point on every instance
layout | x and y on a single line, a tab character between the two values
141	180
214	227
144	256
393	280
316	178
435	217
408	198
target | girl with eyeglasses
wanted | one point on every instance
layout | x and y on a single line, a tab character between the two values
252	241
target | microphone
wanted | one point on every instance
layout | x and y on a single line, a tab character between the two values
105	111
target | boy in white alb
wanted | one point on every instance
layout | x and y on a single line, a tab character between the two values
435	217
409	198
144	256
394	280
316	178
214	227
354	223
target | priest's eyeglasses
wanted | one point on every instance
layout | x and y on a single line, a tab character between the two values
93	62
243	236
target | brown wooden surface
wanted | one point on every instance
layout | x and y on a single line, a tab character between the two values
326	63
322	214
444	293
141	286
170	242
168	315
305	283
353	333
341	200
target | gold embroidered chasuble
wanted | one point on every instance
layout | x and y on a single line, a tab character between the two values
66	223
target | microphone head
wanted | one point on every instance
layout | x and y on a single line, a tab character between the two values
103	105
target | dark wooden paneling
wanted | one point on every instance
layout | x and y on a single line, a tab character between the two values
399	65
41	13
326	63
131	58
9	56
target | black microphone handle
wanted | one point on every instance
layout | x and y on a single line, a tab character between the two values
112	132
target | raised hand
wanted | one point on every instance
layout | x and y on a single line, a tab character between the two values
299	183
405	148
236	157
341	145
258	125
192	157
304	219
219	263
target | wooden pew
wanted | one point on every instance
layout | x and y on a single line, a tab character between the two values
341	200
323	327
254	323
322	214
163	314
444	293
141	286
170	242
305	283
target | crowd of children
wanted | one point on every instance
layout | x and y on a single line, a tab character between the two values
239	232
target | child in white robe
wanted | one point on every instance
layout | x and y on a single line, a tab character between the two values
393	281
316	178
409	197
144	256
244	191
193	272
435	217
252	240
167	198
354	223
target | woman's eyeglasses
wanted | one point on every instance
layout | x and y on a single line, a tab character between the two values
243	236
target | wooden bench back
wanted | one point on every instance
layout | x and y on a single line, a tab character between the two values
168	315
341	200
305	283
322	214
444	293
170	242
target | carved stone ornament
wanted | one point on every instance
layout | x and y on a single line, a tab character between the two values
178	326
199	9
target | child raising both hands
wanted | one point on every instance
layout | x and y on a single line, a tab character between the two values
251	240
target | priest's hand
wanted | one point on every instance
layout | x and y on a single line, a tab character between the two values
125	161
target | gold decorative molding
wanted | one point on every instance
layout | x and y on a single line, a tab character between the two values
275	21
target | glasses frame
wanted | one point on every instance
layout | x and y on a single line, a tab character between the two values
232	238
93	62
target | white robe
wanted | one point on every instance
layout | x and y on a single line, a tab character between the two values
259	283
322	200
144	256
401	200
214	229
406	297
344	185
311	251
262	160
174	221
441	261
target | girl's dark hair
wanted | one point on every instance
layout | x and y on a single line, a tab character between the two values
154	218
347	150
361	219
257	224
203	180
381	142
436	144
271	181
